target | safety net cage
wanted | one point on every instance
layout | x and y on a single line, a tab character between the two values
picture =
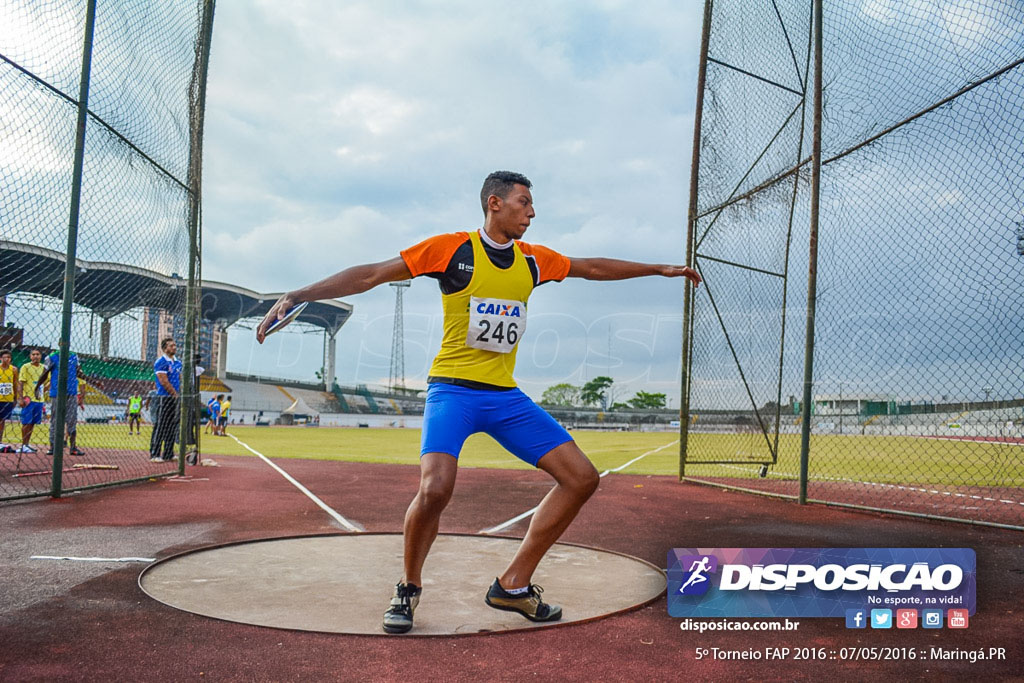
906	253
99	239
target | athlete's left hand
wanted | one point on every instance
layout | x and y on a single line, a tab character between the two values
682	271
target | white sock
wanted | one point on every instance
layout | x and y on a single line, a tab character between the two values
518	591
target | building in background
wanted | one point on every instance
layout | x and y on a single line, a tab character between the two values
158	323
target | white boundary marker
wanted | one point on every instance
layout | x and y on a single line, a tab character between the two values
899	487
94	559
518	518
322	505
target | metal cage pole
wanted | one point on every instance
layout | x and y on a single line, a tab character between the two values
64	346
188	420
812	261
691	228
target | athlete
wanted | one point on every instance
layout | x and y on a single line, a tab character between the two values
10	389
225	410
486	277
31	400
75	399
134	413
167	375
213	405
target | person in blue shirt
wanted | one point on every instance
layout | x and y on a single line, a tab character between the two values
214	405
165	405
52	372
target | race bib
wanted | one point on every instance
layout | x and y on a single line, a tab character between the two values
495	324
6	388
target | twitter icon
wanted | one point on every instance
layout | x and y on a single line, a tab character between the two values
881	618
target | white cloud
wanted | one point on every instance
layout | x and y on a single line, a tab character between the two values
341	133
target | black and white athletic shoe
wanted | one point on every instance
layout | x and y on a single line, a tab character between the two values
398	618
528	604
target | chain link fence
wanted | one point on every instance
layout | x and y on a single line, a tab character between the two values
99	241
917	401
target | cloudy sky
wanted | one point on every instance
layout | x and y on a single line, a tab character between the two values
341	133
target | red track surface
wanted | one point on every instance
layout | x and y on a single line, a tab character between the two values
62	621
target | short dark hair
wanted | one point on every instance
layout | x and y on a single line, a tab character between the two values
164	342
6	352
220	396
499	184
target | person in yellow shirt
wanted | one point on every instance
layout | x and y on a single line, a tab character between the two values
9	389
134	413
31	397
225	408
486	277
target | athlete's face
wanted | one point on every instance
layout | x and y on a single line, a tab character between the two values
35	357
514	213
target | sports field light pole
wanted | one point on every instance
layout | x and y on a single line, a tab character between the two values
186	400
64	345
691	228
812	262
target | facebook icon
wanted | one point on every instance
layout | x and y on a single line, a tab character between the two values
856	618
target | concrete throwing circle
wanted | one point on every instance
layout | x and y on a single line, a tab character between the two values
343	583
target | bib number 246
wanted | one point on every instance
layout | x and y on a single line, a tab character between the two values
495	324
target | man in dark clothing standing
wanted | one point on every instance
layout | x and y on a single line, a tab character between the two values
167	371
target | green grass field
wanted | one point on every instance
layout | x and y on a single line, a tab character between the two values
882	459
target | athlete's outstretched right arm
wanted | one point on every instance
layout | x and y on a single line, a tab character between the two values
354	280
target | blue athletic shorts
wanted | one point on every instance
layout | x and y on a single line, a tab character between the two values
32	414
452	413
6	408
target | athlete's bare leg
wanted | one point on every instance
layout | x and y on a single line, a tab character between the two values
437	480
575	481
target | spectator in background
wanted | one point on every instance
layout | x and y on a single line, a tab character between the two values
10	389
214	406
225	409
31	398
52	371
134	413
196	410
167	371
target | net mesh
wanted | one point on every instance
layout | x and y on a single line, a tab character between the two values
133	229
918	404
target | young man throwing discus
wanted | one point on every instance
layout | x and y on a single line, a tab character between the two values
486	277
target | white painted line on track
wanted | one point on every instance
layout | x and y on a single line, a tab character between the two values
518	518
309	494
791	475
94	559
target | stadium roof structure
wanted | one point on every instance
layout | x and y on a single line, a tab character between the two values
113	288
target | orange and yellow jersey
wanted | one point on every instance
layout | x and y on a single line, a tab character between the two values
7	384
484	292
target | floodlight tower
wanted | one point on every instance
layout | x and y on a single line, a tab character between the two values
396	380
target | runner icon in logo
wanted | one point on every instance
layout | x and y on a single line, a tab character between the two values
697	570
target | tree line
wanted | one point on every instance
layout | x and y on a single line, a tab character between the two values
597	394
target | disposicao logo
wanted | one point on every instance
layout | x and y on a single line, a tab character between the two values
817	582
696	581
